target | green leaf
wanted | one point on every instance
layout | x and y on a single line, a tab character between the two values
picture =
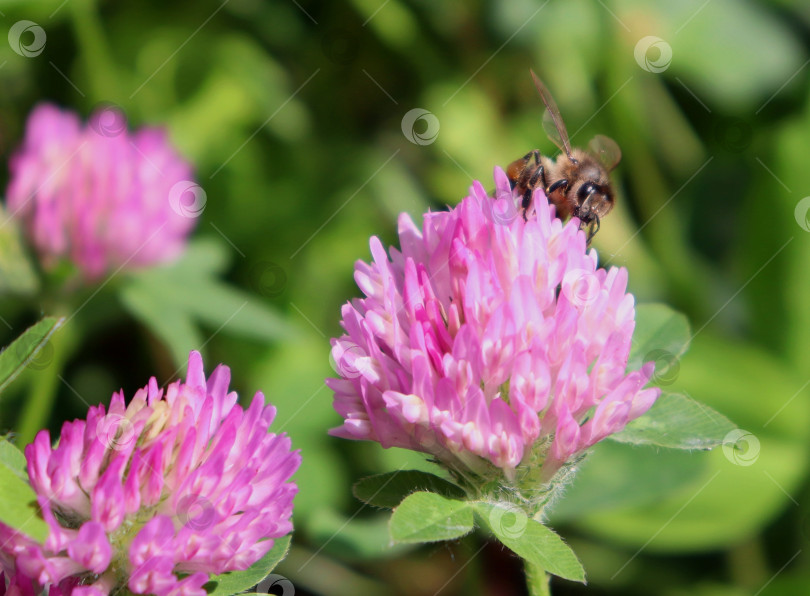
15	357
234	582
539	545
678	422
13	458
428	517
18	505
661	335
733	377
388	490
621	475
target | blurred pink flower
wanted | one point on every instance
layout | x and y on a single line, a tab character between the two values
156	496
488	338
99	196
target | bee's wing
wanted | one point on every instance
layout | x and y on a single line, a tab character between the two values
606	151
552	121
553	133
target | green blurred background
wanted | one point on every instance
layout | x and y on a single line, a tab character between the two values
291	111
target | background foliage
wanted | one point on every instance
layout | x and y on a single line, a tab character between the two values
292	112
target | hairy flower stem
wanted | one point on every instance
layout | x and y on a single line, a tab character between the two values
537	581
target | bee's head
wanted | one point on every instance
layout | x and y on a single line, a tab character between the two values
594	201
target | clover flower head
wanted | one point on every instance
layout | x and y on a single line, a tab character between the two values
99	196
491	341
156	496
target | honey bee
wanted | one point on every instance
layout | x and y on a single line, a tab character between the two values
577	181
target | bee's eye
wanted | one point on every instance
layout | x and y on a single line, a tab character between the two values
585	190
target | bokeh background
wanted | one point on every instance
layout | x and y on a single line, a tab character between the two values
294	114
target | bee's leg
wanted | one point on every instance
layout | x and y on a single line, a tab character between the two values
513	182
593	228
534	170
527	195
558	203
